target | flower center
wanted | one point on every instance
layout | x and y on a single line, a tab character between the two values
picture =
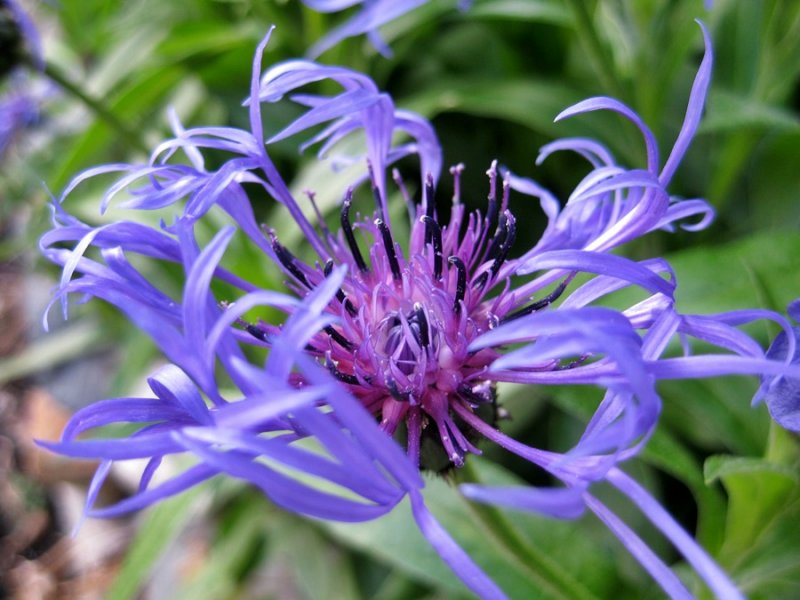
407	338
405	320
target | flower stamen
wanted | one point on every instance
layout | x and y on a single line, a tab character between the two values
347	229
388	245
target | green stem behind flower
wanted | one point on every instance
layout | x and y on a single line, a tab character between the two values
126	133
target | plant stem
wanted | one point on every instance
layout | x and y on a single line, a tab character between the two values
546	570
97	107
594	49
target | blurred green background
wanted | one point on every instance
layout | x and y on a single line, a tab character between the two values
491	79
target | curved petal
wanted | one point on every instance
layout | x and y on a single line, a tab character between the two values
458	560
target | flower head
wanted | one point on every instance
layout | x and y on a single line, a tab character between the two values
392	348
782	395
19	108
20	96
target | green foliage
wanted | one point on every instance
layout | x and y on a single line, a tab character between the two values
161	527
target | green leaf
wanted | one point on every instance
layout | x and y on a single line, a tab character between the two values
541	11
136	100
721	278
50	350
229	554
729	111
161	525
566	546
716	412
320	571
773	184
188	40
531	102
721	466
758	271
761	548
665	451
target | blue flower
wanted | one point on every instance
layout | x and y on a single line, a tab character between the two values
782	394
391	352
19	101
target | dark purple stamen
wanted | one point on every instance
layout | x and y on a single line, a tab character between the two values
388	244
348	233
540	304
430	192
340	296
323	226
508	241
376	194
498	248
391	385
343	377
257	332
499	238
422	323
481	280
461	281
429	206
288	260
433	233
338	338
491	212
470	395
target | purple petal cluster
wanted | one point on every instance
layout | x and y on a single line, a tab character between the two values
612	204
782	394
19	95
391	350
19	109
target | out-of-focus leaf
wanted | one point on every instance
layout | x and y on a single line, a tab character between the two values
664	451
721	466
321	572
773	189
208	37
533	103
729	111
667	453
228	554
760	548
541	11
136	100
716	412
160	526
51	350
759	271
396	540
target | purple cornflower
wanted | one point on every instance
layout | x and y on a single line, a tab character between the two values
782	396
19	102
391	351
19	108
